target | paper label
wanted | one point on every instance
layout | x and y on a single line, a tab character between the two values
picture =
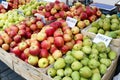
20	12
5	4
71	22
41	16
102	38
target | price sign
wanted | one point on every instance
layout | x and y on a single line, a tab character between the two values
20	12
102	38
41	16
71	21
5	4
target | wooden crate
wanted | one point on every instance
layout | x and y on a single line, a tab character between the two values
115	42
30	72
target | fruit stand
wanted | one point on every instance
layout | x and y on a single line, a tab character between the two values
54	41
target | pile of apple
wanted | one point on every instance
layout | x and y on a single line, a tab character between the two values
108	25
84	14
17	15
86	61
53	10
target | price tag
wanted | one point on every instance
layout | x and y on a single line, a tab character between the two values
38	0
71	21
20	12
50	0
5	4
102	38
41	16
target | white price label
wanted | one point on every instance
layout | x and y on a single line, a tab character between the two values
20	12
41	16
102	38
50	0
5	4
71	21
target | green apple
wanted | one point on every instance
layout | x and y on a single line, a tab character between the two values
67	78
85	72
57	78
76	65
102	69
60	72
84	61
69	53
82	78
96	76
75	75
101	47
51	72
69	59
87	42
59	64
96	70
102	55
94	51
51	60
101	31
93	56
77	47
77	55
68	71
106	62
93	30
93	63
33	60
43	62
86	49
112	55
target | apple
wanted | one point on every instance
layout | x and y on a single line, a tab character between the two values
22	32
26	60
17	38
44	53
39	24
51	60
22	45
92	18
41	8
64	49
34	36
45	44
53	11
79	42
43	62
28	41
69	44
26	52
68	31
5	46
57	54
65	28
79	10
75	30
33	20
87	22
81	24
23	56
33	60
67	37
78	36
33	27
57	15
14	28
41	36
98	13
12	33
62	14
34	50
13	44
77	4
47	14
57	6
34	43
53	48
28	23
49	31
16	51
58	32
51	18
89	11
21	26
58	41
48	8
50	39
1	41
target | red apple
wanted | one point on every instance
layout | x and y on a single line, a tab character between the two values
70	45
48	8
98	13
33	20
83	15
89	11
44	53
57	6
41	36
56	24
49	31
5	46
21	26
62	14
28	23
34	11
64	49
16	51
57	15
22	46
67	37
53	11
50	39
23	56
39	24
65	27
53	48
45	44
79	42
14	28
1	41
78	36
47	14
33	27
58	41
51	18
22	32
40	7
92	18
28	34
35	42
68	31
34	50
26	52
17	38
58	32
